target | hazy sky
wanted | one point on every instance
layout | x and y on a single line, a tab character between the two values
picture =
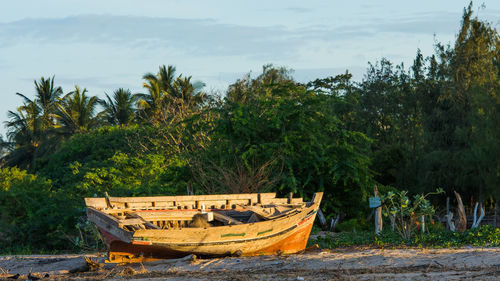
104	45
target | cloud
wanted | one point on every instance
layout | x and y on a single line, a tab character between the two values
201	37
197	37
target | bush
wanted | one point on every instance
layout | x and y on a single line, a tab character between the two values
404	212
484	236
31	212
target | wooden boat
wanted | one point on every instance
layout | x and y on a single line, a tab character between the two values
148	228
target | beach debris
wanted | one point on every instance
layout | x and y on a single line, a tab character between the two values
14	276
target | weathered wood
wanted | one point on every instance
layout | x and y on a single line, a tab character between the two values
145	222
334	222
448	226
108	203
322	219
257	210
378	215
194	197
461	222
477	221
449	220
495	215
286	228
131	221
422	222
109	224
190	257
225	219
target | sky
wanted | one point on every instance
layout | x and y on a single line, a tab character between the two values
105	45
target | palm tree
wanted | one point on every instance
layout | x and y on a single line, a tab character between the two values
189	94
46	98
29	126
168	98
151	105
76	112
119	110
24	135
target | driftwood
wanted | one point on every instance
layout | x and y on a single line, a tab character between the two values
334	222
477	221
461	222
449	221
322	219
90	265
190	257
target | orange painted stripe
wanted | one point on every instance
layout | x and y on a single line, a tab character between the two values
182	210
141	243
304	220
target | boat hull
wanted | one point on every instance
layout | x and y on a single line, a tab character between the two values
288	241
286	233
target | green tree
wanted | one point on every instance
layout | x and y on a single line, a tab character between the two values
119	110
169	98
76	112
297	130
151	106
24	135
46	98
466	111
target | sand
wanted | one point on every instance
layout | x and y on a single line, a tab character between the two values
348	264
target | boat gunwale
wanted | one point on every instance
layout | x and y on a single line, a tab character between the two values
308	207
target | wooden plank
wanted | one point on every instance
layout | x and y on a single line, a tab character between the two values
145	222
131	221
215	197
109	224
172	215
258	211
225	219
97	203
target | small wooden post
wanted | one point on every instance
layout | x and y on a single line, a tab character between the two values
422	220
189	189
290	196
495	215
447	212
378	215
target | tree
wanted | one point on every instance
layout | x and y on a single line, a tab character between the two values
119	110
462	135
297	133
169	98
76	112
46	98
24	135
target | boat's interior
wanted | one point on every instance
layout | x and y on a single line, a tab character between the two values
167	212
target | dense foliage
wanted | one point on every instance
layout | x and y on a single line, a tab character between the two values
433	125
484	236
